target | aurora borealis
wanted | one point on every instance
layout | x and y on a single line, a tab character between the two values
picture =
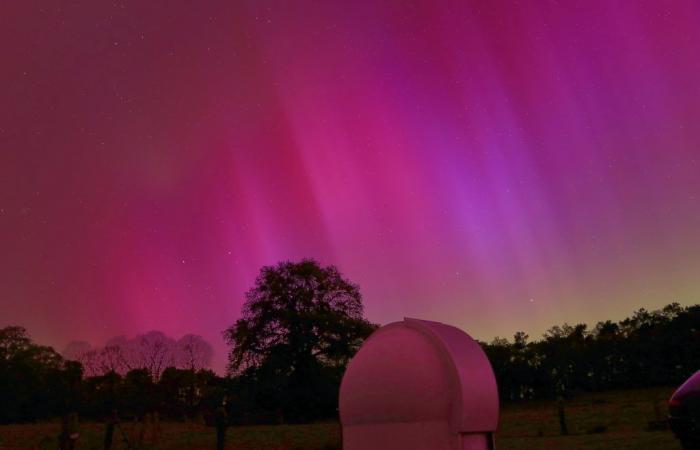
498	166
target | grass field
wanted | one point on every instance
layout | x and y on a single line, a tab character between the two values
611	420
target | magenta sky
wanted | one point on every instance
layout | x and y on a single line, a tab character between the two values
493	165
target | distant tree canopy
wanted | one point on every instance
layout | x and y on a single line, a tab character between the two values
152	351
300	326
648	349
35	381
157	374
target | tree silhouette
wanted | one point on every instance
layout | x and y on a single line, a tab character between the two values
153	351
193	352
300	326
35	381
650	348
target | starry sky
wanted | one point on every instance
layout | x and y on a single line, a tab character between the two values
496	165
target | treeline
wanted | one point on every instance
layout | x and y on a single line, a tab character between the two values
129	379
35	381
153	351
300	326
651	348
151	373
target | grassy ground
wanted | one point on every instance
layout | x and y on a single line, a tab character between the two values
609	420
612	420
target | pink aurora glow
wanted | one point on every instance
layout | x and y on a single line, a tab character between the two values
492	166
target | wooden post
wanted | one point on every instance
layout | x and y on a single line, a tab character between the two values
109	430
220	422
562	416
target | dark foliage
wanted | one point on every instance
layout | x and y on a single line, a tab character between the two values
286	383
35	381
300	326
648	349
153	351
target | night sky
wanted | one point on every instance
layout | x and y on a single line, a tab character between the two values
498	166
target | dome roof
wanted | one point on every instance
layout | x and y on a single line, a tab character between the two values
689	388
420	371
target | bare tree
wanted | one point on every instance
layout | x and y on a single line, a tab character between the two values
193	352
113	358
75	350
154	352
85	354
119	354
